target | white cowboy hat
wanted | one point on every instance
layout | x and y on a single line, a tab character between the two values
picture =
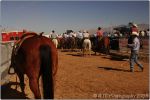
84	31
135	33
135	25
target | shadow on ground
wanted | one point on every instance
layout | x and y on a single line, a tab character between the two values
118	57
77	54
8	93
116	69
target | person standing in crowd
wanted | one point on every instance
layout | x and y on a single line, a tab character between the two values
134	46
71	34
65	35
79	39
99	33
133	29
147	33
80	35
54	38
142	33
74	34
105	34
50	34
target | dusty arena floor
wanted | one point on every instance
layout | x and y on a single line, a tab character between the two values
96	76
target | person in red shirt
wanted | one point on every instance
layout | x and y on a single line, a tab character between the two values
99	33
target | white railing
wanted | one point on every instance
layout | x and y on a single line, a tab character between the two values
6	49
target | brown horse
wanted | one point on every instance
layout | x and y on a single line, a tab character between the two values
106	43
72	43
101	44
36	56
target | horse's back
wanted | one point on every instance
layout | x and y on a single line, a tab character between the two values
36	41
31	47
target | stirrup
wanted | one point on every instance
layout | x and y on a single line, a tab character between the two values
11	71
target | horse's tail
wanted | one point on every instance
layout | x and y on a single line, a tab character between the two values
46	71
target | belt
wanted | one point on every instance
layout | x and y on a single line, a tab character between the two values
86	37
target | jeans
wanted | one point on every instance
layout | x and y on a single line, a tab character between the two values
134	59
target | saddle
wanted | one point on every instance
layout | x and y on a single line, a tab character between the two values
21	40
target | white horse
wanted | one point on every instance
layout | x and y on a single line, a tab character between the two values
86	47
55	41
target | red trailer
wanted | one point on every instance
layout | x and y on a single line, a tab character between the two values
5	36
11	36
20	33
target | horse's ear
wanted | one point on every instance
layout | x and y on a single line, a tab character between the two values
41	33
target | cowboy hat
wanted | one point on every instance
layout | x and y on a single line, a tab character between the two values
135	33
135	25
84	31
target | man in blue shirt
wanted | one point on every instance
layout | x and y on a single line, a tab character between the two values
135	46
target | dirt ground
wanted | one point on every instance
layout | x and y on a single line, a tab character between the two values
96	76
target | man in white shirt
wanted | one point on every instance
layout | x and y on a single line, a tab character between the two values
54	38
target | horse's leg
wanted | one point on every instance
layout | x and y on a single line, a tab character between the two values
21	78
95	49
108	46
86	52
83	51
34	86
89	52
104	49
90	47
108	52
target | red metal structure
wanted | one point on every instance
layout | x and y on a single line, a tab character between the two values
11	36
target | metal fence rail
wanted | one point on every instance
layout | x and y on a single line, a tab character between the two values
6	49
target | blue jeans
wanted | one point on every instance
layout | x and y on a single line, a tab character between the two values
134	59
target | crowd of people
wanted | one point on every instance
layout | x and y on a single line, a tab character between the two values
98	34
84	39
